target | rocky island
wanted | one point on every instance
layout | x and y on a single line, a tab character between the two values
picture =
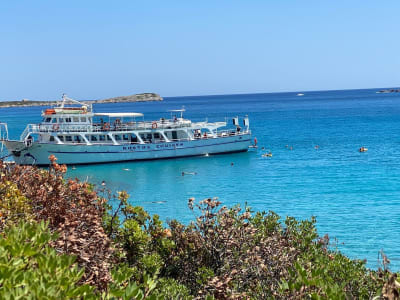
132	98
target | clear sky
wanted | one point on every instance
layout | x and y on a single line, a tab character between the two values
99	49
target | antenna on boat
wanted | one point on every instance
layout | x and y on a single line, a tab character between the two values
64	97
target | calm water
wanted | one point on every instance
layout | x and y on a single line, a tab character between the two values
355	196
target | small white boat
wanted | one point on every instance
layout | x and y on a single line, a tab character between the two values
300	94
77	135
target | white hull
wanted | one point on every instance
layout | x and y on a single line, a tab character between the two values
39	153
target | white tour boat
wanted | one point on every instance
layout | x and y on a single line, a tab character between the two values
74	134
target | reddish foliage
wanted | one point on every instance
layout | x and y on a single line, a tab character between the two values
226	241
73	210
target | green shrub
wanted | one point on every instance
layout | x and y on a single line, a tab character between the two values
30	268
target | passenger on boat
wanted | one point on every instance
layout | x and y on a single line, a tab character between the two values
117	124
175	119
197	134
205	135
238	128
106	126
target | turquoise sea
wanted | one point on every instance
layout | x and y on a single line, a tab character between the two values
355	196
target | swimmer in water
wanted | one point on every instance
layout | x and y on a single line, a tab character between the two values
103	183
189	173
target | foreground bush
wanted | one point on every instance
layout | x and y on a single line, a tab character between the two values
30	268
71	209
124	253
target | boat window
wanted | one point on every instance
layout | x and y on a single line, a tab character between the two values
102	137
61	138
60	120
68	138
134	138
68	120
51	138
93	138
117	137
76	119
54	120
125	137
174	135
83	119
47	120
156	135
108	138
77	138
149	136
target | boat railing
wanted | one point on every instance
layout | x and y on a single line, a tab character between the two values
101	127
105	127
226	133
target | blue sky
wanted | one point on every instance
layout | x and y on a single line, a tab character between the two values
99	49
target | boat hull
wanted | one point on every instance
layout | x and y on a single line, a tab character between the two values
76	154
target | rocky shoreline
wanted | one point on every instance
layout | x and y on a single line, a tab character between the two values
132	98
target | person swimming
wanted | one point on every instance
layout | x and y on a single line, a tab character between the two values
269	154
103	183
189	173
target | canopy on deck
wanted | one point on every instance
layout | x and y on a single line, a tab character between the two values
119	115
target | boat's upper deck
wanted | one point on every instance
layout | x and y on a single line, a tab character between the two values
64	124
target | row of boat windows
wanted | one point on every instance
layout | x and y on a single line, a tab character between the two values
146	137
66	120
93	138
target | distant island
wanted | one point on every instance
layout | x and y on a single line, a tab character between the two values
133	98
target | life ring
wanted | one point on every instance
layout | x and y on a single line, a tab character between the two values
154	125
56	127
106	126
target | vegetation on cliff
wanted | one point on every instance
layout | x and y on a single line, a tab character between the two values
60	239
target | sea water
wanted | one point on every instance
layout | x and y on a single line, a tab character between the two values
315	168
